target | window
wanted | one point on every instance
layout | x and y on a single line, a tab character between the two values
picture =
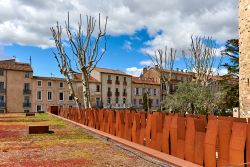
70	98
38	108
117	77
49	83
116	90
1	99
61	96
109	101
134	102
124	100
137	91
26	75
26	99
39	95
1	72
97	88
155	92
108	89
140	101
157	102
50	96
149	91
124	79
1	85
39	83
26	86
61	85
116	100
109	77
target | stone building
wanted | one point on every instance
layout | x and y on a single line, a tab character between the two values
115	87
15	86
51	91
140	86
244	45
177	76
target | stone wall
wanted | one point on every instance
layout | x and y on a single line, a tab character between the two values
244	44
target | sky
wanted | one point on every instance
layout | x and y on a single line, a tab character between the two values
136	28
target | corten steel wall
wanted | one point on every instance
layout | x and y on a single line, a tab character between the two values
217	141
244	44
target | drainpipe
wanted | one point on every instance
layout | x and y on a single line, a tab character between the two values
6	86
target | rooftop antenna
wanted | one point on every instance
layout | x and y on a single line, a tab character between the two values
30	61
51	74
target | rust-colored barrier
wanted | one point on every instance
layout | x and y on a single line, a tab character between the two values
189	139
237	143
209	141
248	143
199	141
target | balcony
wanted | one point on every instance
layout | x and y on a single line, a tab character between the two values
2	90
109	94
124	94
26	104
2	105
117	82
109	81
26	91
125	83
117	93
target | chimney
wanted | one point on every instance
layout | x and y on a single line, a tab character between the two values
181	70
177	69
144	70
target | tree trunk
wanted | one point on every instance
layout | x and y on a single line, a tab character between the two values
71	91
85	89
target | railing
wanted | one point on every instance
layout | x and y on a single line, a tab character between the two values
208	141
26	104
26	91
109	81
117	82
124	94
109	94
117	93
2	105
2	90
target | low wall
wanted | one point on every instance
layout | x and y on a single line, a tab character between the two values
204	141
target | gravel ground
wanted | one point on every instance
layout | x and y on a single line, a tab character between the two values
68	145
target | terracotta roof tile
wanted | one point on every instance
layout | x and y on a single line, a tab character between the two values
110	71
91	79
139	80
11	64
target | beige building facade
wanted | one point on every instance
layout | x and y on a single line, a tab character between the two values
15	86
244	46
115	87
148	86
177	76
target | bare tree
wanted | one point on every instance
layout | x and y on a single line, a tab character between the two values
202	58
164	64
85	49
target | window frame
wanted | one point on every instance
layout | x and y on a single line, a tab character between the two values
37	95
40	82
60	96
51	96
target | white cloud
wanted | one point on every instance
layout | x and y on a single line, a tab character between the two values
27	22
134	71
127	45
221	71
146	63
